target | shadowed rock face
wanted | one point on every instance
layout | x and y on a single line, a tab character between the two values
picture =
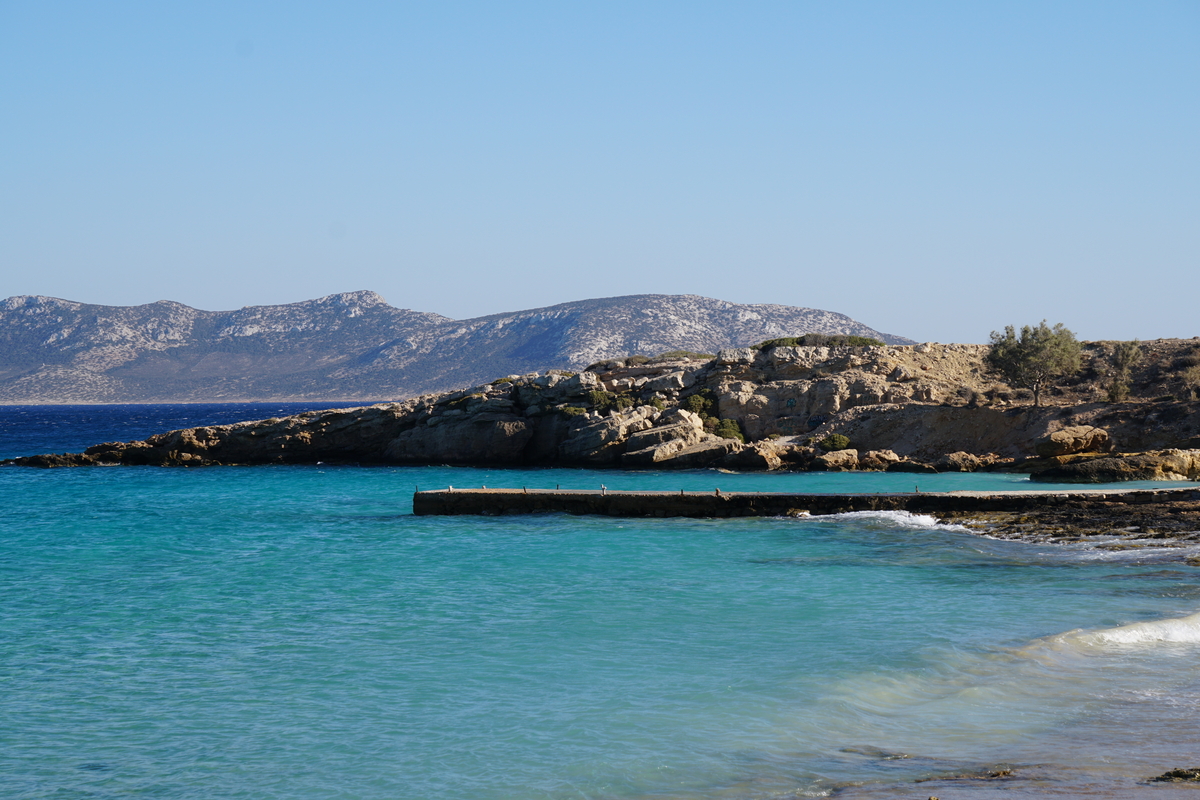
351	346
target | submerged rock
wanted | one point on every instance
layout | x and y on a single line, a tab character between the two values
1191	775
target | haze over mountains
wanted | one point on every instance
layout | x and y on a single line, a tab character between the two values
352	346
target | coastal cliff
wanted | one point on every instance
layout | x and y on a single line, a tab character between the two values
926	407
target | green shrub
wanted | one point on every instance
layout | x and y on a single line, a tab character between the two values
601	399
834	441
819	340
1124	356
702	402
636	360
658	403
572	411
499	381
675	355
1191	381
729	429
697	404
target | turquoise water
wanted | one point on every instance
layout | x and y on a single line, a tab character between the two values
293	632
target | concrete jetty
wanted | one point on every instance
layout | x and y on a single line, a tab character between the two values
716	503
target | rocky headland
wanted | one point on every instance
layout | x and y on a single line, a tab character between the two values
908	408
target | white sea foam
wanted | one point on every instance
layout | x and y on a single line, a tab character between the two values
1182	630
896	519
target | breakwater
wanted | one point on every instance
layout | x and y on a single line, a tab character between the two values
490	502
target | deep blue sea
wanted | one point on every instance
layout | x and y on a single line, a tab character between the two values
294	632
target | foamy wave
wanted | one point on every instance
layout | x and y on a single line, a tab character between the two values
897	519
1183	630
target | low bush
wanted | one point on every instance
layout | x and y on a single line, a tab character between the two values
1183	362
729	429
676	355
834	441
702	402
819	340
601	399
572	411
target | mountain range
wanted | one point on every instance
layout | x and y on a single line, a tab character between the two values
352	346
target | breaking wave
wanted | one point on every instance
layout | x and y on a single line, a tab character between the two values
895	520
1180	630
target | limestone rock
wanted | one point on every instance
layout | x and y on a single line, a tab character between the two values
758	456
735	355
671	382
602	441
958	462
1075	439
837	461
660	443
704	454
909	465
1162	465
877	459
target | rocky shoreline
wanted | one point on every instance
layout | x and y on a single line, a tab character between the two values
896	408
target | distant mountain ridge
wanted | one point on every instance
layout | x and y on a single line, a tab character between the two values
352	346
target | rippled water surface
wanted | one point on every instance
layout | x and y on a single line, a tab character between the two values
294	632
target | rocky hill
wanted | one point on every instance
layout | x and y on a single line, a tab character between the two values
352	346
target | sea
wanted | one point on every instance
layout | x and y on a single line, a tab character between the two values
295	632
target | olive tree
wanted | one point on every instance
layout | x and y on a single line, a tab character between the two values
1037	357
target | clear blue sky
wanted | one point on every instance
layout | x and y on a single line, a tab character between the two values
935	170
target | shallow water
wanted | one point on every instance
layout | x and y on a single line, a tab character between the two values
295	632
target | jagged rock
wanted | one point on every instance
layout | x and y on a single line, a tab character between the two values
837	461
1178	776
908	465
735	355
653	454
671	382
677	432
603	441
1075	439
795	456
958	462
660	443
704	454
758	456
1163	465
877	459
